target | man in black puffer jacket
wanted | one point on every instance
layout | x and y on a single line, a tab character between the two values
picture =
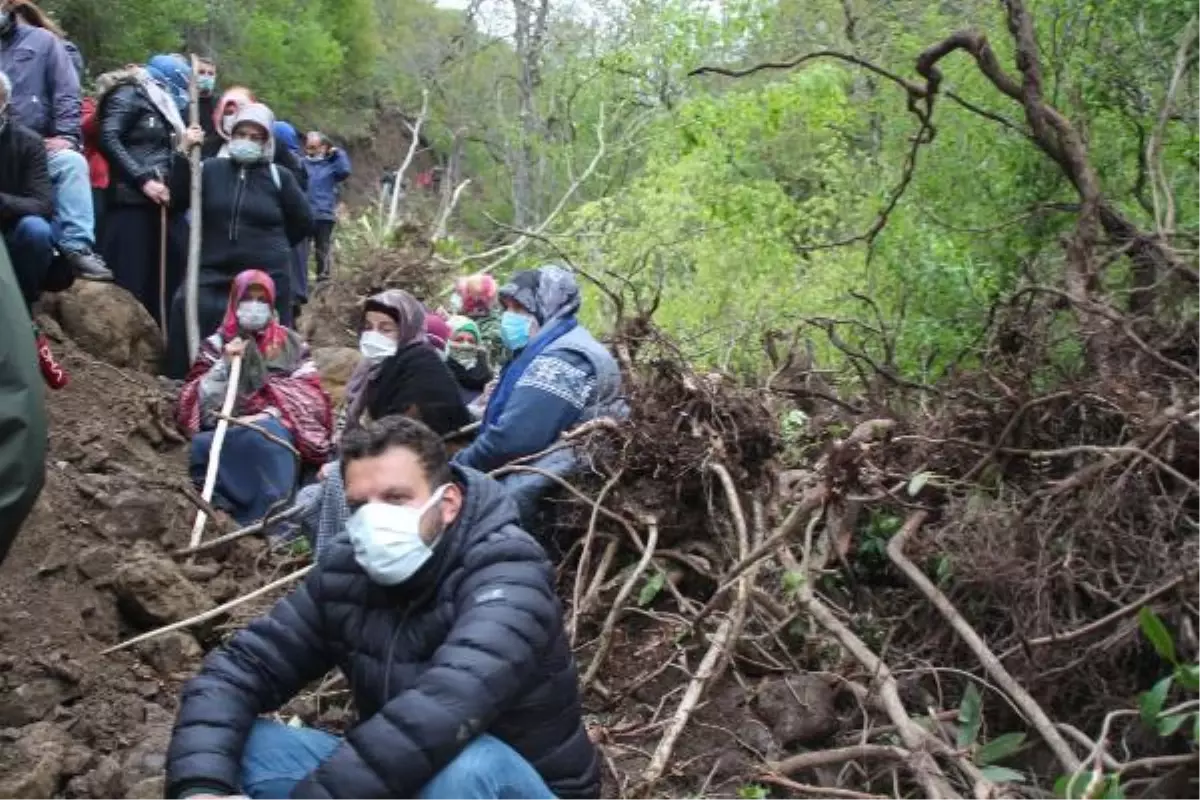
442	615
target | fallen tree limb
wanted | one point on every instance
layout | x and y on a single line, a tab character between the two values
614	613
257	527
214	612
585	555
817	791
1028	706
837	755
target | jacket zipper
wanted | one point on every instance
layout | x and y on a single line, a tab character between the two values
237	204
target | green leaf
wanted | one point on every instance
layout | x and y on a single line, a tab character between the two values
917	483
1151	703
1002	774
1000	748
1154	630
1188	676
1071	787
1168	725
970	717
651	588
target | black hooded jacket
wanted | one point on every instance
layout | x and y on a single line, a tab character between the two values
471	644
417	383
248	221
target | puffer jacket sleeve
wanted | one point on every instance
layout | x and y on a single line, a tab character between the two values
297	215
506	615
258	671
119	112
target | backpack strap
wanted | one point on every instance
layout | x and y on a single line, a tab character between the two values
275	177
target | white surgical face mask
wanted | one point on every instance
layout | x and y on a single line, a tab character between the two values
387	539
376	346
253	315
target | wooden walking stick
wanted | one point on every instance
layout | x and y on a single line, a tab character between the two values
214	451
191	289
162	270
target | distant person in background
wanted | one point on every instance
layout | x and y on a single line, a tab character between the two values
328	167
468	359
26	206
476	297
145	139
206	88
279	390
233	100
46	99
287	143
22	406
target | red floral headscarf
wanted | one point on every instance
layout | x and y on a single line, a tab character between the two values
478	294
272	339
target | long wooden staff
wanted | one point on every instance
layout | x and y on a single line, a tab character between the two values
214	451
191	289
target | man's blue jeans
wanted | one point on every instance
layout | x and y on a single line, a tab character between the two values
73	212
31	249
277	757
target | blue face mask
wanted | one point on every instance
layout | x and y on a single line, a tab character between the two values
514	330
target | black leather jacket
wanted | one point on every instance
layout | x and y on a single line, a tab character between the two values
140	145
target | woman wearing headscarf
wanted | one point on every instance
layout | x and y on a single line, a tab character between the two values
467	358
400	373
474	297
225	112
278	391
143	138
560	376
254	213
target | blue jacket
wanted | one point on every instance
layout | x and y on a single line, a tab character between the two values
472	643
324	183
572	381
45	95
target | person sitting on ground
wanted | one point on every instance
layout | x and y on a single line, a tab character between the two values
254	213
144	139
443	613
278	391
475	297
560	376
468	360
22	403
328	168
46	99
26	206
400	373
224	113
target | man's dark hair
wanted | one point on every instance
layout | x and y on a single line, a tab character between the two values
377	437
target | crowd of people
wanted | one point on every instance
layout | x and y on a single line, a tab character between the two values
96	185
429	592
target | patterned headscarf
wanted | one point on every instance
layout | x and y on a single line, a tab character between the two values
477	294
549	292
275	348
437	332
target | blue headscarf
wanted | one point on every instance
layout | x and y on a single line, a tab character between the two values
284	132
174	75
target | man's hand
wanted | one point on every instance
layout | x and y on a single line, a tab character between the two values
194	136
56	143
157	191
235	348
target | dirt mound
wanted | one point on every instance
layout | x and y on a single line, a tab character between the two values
88	570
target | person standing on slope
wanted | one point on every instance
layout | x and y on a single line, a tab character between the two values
328	167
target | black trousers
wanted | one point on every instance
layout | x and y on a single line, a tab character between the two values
323	247
131	249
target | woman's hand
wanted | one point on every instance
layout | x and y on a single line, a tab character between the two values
235	348
157	191
193	136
